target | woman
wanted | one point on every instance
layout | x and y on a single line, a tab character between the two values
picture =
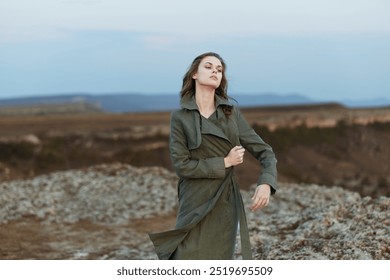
208	139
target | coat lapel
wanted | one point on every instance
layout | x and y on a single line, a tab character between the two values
204	125
208	127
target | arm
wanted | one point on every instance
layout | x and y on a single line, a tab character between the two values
184	165
253	143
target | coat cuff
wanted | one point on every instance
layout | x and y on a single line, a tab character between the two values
216	167
267	178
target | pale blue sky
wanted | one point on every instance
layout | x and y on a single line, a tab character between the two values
326	50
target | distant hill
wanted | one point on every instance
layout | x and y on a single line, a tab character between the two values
50	109
373	102
133	102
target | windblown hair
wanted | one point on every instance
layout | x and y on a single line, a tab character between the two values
188	87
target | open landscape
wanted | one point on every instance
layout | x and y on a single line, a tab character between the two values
87	88
90	185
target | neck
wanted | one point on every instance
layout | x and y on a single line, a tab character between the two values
205	100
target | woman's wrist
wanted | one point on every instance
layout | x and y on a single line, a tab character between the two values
227	162
266	186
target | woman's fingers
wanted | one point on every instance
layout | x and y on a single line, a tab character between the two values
240	153
236	155
259	203
260	198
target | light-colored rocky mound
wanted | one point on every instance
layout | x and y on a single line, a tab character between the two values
301	222
110	194
314	222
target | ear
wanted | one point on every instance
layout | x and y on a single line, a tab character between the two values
195	76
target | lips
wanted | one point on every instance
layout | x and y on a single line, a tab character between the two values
214	78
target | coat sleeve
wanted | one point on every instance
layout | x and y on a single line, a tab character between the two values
184	165
263	152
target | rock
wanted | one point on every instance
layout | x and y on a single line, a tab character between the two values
5	172
301	222
31	139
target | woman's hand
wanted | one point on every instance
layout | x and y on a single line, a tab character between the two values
261	197
235	156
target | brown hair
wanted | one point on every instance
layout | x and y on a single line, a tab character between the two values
188	87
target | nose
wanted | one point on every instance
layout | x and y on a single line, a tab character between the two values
215	70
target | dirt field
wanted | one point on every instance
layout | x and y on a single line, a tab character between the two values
28	238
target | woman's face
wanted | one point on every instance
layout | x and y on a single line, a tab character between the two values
209	72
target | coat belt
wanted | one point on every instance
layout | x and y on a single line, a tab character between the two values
244	233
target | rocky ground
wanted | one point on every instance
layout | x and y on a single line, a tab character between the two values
106	211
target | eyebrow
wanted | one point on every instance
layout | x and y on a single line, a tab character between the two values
220	66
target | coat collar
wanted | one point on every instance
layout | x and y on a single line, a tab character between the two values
189	102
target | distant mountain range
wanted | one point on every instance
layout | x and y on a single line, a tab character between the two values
133	102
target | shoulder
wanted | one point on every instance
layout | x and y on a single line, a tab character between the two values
236	112
182	115
239	118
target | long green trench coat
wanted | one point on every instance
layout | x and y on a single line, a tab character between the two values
210	204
